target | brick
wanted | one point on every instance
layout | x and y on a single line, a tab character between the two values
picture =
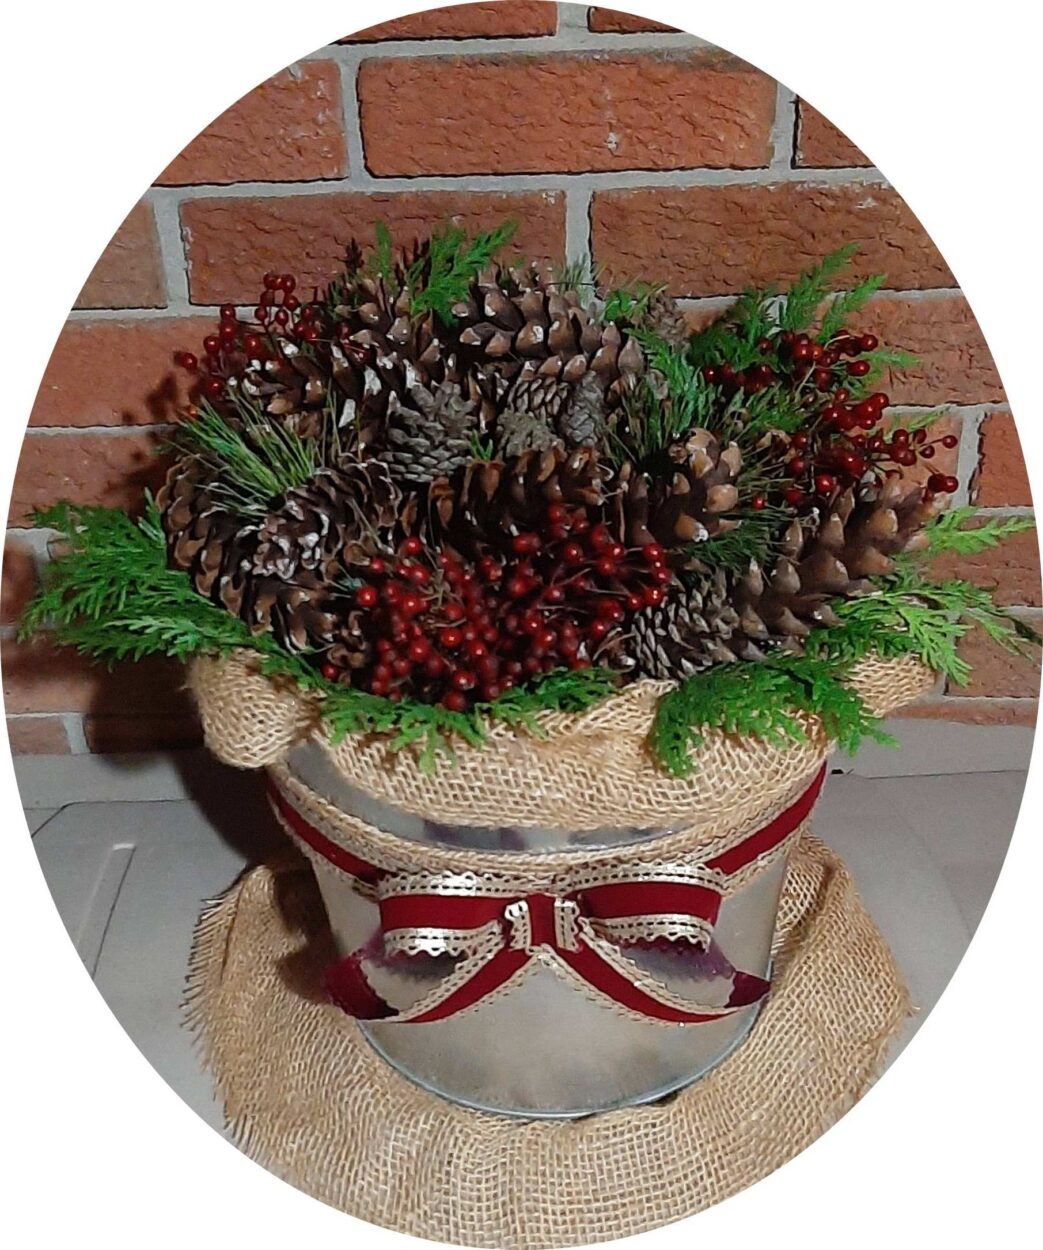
19	581
1010	571
997	672
289	129
719	240
954	365
611	22
37	735
564	114
1002	477
232	242
118	735
39	677
821	145
117	372
128	274
107	469
517	20
977	711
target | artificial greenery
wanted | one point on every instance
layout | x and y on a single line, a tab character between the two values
109	593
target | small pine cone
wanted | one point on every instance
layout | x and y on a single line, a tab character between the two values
539	396
583	422
665	319
434	437
518	432
690	631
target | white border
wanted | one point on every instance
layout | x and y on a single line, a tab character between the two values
99	97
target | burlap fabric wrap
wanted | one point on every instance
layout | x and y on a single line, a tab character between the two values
306	1097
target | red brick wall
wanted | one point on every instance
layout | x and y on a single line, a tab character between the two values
610	136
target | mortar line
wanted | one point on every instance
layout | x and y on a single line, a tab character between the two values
693	302
74	731
173	254
783	131
579	201
568	38
352	118
360	180
108	431
968	456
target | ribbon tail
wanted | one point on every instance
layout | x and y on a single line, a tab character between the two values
348	986
623	984
475	979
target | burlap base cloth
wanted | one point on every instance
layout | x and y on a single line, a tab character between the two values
306	1096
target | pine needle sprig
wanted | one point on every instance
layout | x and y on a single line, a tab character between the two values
765	701
256	459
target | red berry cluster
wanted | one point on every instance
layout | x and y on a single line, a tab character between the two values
445	631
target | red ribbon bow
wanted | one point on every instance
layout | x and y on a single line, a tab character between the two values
578	929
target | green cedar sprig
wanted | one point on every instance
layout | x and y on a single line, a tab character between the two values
762	700
807	295
950	531
441	276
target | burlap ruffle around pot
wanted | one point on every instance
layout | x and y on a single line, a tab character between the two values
588	767
306	1097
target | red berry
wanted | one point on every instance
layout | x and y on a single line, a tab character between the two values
412	604
654	595
557	513
652	553
758	502
455	701
825	483
545	639
214	386
822	378
516	587
554	595
710	373
858	368
526	544
435	666
841	396
927	452
401	667
952	485
419	650
261	314
282	317
271	281
634	603
572	553
212	344
463	679
799	442
452	638
366	596
599	629
228	333
845	422
228	312
599	537
489	569
531	623
794	496
869	342
662	575
411	547
950	441
330	671
605	566
418	574
287	282
186	361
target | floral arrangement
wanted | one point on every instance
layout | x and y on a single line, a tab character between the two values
447	490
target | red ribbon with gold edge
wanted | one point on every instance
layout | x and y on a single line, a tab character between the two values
579	929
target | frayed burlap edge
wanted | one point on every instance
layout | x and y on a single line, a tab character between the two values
307	1098
593	769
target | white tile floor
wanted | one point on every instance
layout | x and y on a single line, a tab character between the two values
129	877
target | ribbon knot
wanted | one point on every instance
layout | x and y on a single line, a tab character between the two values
579	926
543	920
